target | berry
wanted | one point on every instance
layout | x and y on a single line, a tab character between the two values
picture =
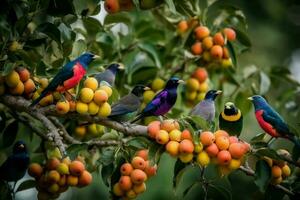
138	163
207	138
126	169
138	176
201	32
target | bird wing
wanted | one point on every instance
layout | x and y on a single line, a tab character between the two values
106	76
204	109
126	104
273	118
156	102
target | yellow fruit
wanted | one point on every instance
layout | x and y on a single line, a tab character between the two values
117	190
162	137
139	188
86	95
192	84
82	108
203	159
172	148
169	125
18	90
107	89
62	168
80	131
104	110
198	148
276	180
286	171
92	128
62	107
91	83
53	176
46	100
43	82
12	79
93	108
53	188
224	170
148	96
72	180
206	56
175	135
234	164
131	194
225	63
203	87
200	96
268	160
100	96
157	84
191	95
185	158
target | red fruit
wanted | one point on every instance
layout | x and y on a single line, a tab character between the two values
224	157
76	168
125	183
138	163
138	176
153	128
212	150
230	34
112	6
186	146
197	48
126	169
219	39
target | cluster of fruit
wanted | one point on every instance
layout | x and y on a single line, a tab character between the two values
17	82
280	170
134	175
90	131
197	86
114	6
57	175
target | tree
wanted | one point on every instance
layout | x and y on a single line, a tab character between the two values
199	41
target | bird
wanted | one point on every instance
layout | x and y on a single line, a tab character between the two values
68	76
15	166
231	119
161	102
206	107
109	75
271	121
127	106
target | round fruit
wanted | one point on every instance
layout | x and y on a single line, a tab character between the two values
139	188
186	146
226	63
192	84
276	181
276	171
35	170
85	178
219	133
286	171
226	54
157	84
112	6
76	167
212	150
153	128
107	89
219	39
86	95
80	131
100	96
236	150
222	142
126	169
224	157
104	110
201	32
43	82
197	48
138	176
143	154
23	73
12	79
125	183
52	163
203	87
91	83
62	168
117	190
191	95
93	108
200	74
234	164
230	34
18	90
53	188
148	96
203	159
150	170
175	135
53	176
186	134
172	148
72	180
162	137
29	86
233	139
198	148
185	158
182	26
207	42
206	56
62	107
138	163
216	52
82	108
169	125
207	138
131	194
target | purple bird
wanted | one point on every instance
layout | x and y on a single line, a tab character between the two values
163	101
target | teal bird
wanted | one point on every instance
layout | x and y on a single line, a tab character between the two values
127	106
231	119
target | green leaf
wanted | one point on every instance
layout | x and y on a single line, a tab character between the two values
60	8
191	190
179	170
26	185
5	191
249	71
2	121
107	155
8	67
242	103
265	83
74	149
106	173
200	122
150	49
171	6
242	38
92	25
258	138
51	31
10	134
268	152
219	192
78	48
26	57
262	175
120	17
232	53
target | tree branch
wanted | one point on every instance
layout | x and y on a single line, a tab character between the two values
250	172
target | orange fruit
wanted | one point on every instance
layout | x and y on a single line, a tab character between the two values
207	138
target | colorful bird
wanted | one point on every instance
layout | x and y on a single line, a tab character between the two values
68	77
270	121
206	107
231	119
128	105
109	75
15	166
163	101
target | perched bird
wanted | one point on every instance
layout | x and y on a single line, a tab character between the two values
231	119
162	102
206	107
68	77
270	121
128	105
15	166
109	75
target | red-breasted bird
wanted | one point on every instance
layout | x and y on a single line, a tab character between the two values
15	166
68	77
162	102
270	121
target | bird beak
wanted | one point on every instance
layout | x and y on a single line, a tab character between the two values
227	107
180	81
147	88
96	56
121	66
21	146
250	98
219	92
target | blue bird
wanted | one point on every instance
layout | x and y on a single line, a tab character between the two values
68	77
128	105
206	107
163	101
109	75
15	166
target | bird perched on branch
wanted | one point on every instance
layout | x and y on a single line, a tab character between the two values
128	105
163	101
206	107
15	166
270	121
231	119
109	75
68	77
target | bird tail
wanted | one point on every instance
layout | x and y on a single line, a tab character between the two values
295	140
138	117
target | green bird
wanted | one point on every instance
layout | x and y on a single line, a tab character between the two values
231	119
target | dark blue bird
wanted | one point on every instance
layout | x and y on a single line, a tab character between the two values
15	166
127	106
163	101
109	75
271	121
68	77
206	107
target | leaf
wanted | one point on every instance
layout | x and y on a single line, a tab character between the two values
78	48
51	31
120	17
107	155
242	103
219	192
249	71
258	138
232	53
26	185
179	169
150	49
242	37
5	191
92	25
296	153
74	149
2	121
10	134
273	193
60	8
200	122
8	67
265	83
269	153
262	175
106	173
171	6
